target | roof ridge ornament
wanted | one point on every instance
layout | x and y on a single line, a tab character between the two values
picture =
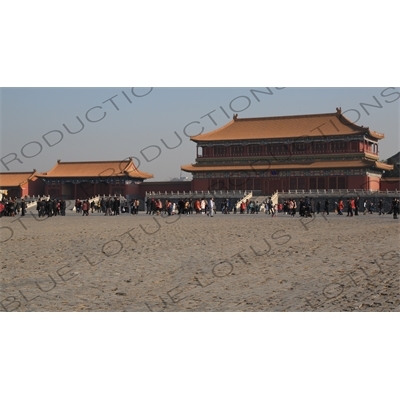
339	110
235	117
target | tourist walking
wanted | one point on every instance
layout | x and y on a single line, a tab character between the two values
203	206
273	209
211	207
395	207
326	207
340	207
294	209
108	206
63	206
85	208
365	205
349	208
148	206
356	205
380	207
103	205
371	208
23	207
116	205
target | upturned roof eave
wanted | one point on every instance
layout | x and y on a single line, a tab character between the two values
356	129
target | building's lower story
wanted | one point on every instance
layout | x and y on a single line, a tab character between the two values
84	189
269	178
273	184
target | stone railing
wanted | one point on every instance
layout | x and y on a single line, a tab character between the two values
32	201
247	196
98	197
275	198
220	194
340	191
199	193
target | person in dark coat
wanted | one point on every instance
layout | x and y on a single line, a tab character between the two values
23	207
380	207
49	208
395	207
103	205
133	206
117	205
148	206
108	207
357	205
326	207
54	207
62	207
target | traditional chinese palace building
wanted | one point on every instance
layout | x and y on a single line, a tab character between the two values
321	151
20	184
72	180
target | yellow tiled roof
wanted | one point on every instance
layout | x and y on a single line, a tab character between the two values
286	127
381	165
12	179
96	169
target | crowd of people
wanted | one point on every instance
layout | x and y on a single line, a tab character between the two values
50	208
106	205
117	206
10	207
204	206
182	206
306	207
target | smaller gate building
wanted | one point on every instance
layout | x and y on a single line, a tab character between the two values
82	180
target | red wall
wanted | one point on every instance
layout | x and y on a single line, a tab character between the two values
270	185
201	184
35	188
390	184
358	182
132	190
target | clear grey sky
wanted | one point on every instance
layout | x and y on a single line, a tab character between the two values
136	122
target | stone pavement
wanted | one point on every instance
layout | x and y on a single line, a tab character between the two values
196	263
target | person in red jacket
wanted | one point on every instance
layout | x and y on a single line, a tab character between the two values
353	206
340	207
85	208
350	207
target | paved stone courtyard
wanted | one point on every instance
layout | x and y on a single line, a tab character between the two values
196	263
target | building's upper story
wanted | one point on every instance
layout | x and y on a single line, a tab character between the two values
298	135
